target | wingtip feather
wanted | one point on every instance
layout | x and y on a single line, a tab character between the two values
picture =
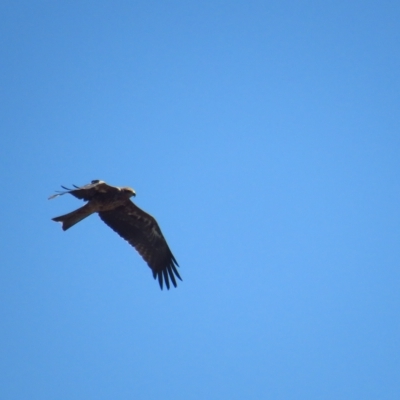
166	278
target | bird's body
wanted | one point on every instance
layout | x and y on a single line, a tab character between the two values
140	229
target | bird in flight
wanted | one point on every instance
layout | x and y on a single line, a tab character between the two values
138	228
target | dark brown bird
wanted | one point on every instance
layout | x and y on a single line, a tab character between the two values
140	229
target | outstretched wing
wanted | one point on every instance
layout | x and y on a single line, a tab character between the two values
88	191
143	233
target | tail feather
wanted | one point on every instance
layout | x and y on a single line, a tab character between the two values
74	217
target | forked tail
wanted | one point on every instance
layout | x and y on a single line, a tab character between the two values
73	217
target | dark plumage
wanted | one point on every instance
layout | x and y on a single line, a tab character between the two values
138	228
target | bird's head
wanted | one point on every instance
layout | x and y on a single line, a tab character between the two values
129	192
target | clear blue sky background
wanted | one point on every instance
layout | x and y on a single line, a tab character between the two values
264	136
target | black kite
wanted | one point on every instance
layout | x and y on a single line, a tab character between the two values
140	229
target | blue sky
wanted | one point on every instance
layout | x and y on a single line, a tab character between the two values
264	137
